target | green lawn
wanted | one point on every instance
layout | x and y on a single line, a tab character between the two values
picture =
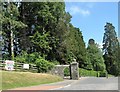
12	79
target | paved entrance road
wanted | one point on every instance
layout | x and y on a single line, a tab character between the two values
92	83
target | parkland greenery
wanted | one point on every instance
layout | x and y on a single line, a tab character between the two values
95	57
111	49
41	33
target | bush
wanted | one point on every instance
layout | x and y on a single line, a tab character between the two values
102	74
56	62
5	57
21	58
34	58
66	71
43	65
27	58
31	58
83	72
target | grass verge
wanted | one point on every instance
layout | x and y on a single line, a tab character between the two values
12	79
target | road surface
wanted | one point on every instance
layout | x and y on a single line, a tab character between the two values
84	83
92	83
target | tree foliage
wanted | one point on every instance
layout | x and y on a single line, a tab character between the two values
110	48
75	45
10	25
43	29
49	30
96	57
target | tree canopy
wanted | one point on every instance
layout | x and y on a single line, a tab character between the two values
110	49
44	30
95	56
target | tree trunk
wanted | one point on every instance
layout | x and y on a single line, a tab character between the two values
11	45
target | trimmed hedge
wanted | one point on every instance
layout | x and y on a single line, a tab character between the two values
84	72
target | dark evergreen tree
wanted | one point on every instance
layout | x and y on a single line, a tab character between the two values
110	49
91	41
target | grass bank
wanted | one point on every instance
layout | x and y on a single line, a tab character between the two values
12	79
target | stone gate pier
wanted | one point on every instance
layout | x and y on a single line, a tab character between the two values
74	71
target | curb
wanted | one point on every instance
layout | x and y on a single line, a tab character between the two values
61	87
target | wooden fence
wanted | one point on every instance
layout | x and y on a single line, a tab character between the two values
19	67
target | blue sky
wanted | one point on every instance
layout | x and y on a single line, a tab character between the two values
91	18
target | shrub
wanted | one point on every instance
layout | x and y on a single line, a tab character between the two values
31	58
43	65
27	58
102	74
5	57
56	62
83	72
66	71
21	58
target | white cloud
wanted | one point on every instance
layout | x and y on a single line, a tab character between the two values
77	10
100	45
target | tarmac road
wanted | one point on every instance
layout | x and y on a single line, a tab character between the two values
84	83
92	83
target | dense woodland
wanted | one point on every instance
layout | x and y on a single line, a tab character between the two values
41	32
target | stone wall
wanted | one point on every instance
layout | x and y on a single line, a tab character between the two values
59	70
